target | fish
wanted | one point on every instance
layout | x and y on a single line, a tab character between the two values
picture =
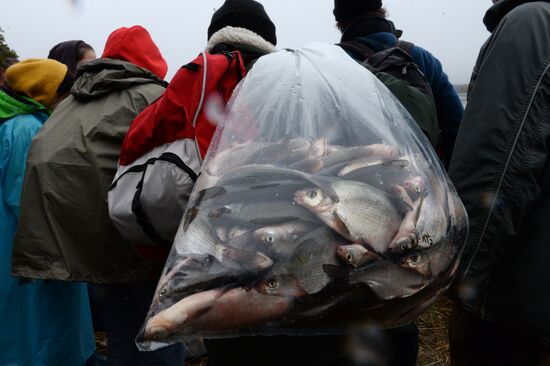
282	239
432	262
363	215
319	148
434	218
401	193
189	274
316	249
225	309
256	173
232	157
369	164
171	320
253	152
309	165
386	279
348	154
407	236
415	185
263	213
459	217
356	255
200	238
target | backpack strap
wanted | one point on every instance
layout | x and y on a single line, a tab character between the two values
358	48
406	46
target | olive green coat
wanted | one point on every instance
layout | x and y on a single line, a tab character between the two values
64	231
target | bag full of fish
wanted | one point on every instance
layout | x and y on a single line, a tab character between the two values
320	204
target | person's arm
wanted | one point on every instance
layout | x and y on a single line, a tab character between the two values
449	107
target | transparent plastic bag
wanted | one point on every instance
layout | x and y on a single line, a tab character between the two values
320	204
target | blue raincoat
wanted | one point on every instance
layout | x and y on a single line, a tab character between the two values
42	323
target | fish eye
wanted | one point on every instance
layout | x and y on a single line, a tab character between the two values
271	284
312	194
349	257
404	247
270	239
162	292
413	259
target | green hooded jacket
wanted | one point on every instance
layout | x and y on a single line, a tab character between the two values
11	107
65	232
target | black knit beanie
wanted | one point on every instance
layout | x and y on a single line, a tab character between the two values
247	14
348	9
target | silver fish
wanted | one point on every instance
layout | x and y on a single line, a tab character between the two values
220	309
415	185
257	173
371	162
434	219
262	212
282	239
388	280
356	255
432	262
401	193
192	273
172	320
407	237
200	238
363	215
349	154
252	152
316	249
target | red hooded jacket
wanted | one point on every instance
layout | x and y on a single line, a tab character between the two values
135	45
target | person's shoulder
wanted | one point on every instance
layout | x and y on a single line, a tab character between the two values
422	52
24	124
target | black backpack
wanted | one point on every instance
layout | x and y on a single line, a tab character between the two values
396	61
396	68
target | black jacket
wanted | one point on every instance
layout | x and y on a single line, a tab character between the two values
501	170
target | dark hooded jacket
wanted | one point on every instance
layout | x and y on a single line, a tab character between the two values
66	53
500	169
65	232
379	34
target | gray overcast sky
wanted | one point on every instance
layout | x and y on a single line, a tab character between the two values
452	30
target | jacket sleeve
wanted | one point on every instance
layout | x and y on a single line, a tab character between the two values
502	147
22	130
449	107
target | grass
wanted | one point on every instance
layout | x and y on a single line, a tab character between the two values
434	340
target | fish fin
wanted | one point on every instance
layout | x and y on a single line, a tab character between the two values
209	193
335	271
217	212
400	163
422	196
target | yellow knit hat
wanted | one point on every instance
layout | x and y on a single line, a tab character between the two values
37	78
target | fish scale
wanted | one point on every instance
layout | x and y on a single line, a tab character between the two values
369	214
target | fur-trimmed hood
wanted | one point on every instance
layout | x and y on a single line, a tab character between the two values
240	36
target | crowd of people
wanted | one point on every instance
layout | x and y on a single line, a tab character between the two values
66	270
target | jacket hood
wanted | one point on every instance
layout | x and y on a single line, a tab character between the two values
100	77
135	45
498	11
66	53
37	78
240	37
11	106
